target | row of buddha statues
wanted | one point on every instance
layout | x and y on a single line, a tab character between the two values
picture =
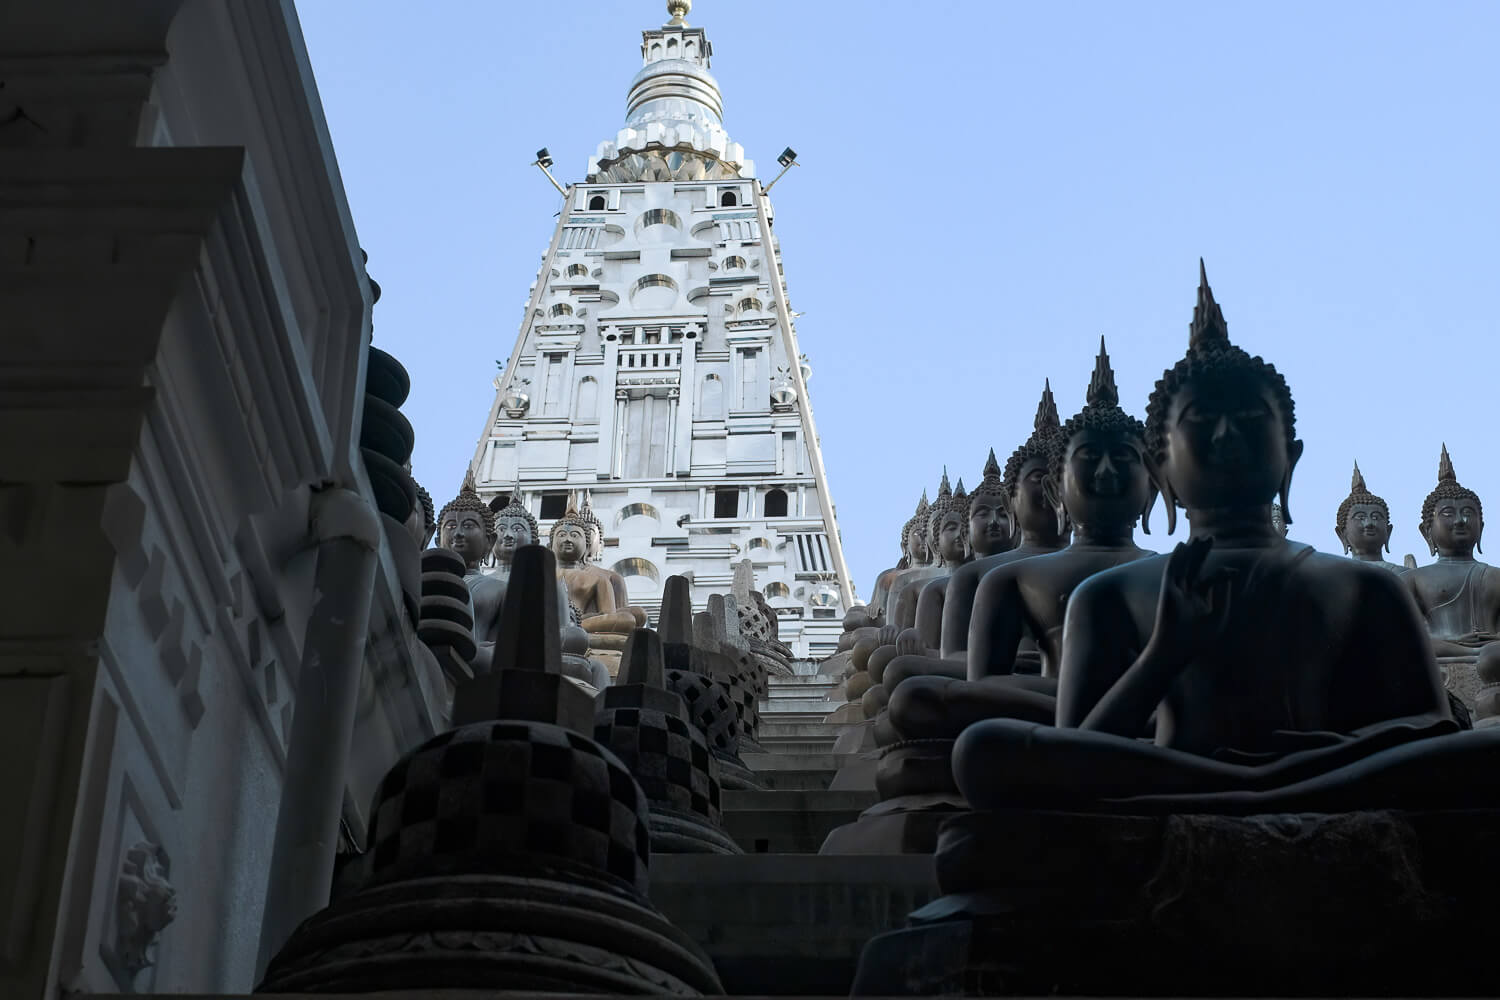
1027	649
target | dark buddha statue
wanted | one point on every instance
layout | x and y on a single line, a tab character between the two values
914	555
1096	479
1032	518
948	538
931	568
1363	525
990	533
1458	595
466	525
1279	678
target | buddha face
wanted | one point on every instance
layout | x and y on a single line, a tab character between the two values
949	532
1033	512
510	534
1226	445
1366	530
570	543
1104	481
989	523
463	532
1455	527
917	553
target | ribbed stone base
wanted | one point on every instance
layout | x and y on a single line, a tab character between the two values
546	930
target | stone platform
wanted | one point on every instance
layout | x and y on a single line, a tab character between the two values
1036	903
789	821
788	924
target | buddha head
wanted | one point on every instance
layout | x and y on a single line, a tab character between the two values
422	524
514	527
948	524
990	529
1027	467
914	551
1220	429
1098	474
1452	518
569	539
467	525
596	528
1364	521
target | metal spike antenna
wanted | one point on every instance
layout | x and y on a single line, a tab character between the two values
528	633
1208	328
642	662
1102	389
1047	421
675	622
1357	482
1445	467
991	467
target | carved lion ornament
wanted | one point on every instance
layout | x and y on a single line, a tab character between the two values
146	903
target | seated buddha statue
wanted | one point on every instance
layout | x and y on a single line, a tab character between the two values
990	532
948	538
466	525
596	552
866	639
1280	678
1097	480
1458	595
1033	518
590	589
914	555
946	529
1363	525
470	528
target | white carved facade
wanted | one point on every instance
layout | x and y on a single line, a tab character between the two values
181	380
658	367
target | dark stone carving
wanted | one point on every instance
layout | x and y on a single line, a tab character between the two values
508	854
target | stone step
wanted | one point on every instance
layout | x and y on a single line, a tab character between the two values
788	924
795	770
790	821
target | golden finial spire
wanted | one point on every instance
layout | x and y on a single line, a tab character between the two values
679	11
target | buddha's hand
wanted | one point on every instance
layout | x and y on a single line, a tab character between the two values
1193	610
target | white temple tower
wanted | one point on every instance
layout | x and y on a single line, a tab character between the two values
657	366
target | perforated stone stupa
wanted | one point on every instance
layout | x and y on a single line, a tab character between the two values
658	367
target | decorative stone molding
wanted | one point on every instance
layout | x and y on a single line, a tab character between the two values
145	903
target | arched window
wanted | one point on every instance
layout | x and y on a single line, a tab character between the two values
577	271
711	398
586	406
728	199
776	503
562	309
597	203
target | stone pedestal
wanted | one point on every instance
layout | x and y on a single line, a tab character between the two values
1039	903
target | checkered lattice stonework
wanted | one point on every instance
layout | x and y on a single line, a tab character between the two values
489	794
708	707
667	755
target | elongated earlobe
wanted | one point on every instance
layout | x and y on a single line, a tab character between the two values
1151	495
1342	540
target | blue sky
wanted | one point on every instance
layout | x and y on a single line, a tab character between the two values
987	188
